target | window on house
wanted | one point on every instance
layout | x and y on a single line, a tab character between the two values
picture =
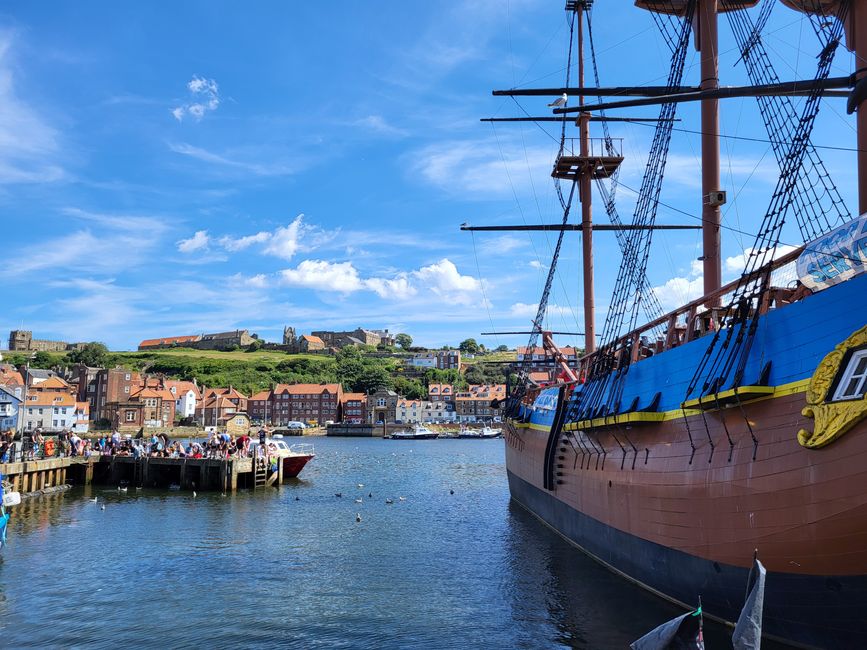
126	389
380	402
130	416
126	377
853	383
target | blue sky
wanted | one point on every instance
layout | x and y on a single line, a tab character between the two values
171	169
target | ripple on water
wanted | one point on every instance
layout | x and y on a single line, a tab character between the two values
160	569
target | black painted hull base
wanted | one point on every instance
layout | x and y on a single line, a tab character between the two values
812	611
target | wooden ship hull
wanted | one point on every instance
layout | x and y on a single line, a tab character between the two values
679	499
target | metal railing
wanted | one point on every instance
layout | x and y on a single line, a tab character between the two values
598	147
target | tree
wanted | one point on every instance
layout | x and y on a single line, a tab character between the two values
373	378
469	346
403	340
502	348
42	360
410	388
92	354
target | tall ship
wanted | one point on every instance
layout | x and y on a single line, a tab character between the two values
682	444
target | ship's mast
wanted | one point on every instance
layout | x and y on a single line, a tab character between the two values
708	45
586	202
857	41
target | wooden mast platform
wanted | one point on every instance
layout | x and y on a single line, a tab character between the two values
599	163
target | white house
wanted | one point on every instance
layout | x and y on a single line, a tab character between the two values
50	411
411	411
10	403
439	412
187	396
408	411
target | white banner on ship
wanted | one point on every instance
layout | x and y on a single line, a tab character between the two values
835	257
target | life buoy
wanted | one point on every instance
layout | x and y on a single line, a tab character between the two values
49	447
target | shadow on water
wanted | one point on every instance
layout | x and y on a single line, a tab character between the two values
591	606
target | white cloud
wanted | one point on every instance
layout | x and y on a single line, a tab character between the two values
524	310
196	242
680	290
341	277
28	144
228	161
483	167
204	97
737	263
241	243
441	280
283	242
536	264
144	226
378	124
259	281
444	280
110	251
399	287
502	244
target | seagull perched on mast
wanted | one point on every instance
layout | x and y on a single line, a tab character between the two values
560	101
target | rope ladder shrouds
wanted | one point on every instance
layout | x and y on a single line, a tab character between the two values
601	393
725	359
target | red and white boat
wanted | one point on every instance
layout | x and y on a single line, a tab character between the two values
294	457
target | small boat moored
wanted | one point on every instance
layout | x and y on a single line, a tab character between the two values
295	457
419	432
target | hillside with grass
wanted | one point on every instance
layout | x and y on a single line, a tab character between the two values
358	370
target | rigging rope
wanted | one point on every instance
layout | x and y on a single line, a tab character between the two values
817	204
566	203
602	392
724	361
652	307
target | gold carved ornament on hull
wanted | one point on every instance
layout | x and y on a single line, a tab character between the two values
832	419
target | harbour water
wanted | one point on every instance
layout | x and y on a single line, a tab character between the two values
293	567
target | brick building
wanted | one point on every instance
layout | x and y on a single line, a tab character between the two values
145	407
540	360
475	404
354	408
441	393
215	409
103	386
309	403
259	407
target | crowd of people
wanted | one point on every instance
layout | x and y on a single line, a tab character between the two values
157	445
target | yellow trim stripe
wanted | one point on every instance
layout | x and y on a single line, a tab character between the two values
782	390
